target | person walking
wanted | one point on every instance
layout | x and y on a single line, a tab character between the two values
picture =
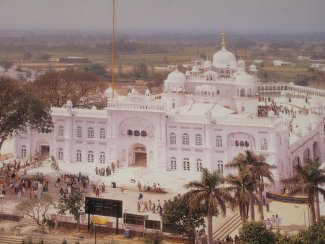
145	208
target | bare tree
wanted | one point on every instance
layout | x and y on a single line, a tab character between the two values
36	209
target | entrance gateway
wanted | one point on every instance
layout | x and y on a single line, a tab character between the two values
138	156
44	151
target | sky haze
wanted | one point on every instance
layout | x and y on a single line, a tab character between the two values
293	16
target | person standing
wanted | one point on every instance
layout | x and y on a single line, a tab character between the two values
139	186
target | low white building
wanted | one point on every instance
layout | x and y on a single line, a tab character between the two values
203	118
282	63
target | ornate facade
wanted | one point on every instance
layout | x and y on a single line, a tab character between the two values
203	118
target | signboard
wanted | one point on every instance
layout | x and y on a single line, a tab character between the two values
152	224
104	207
134	219
286	198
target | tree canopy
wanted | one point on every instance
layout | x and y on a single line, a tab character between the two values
19	109
178	213
73	203
56	88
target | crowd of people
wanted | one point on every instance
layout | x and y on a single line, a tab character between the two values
70	182
105	170
146	206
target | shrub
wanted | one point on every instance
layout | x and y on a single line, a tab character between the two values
256	233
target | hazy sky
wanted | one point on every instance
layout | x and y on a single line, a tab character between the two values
173	15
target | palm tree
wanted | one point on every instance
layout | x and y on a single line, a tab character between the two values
306	181
210	193
260	170
241	186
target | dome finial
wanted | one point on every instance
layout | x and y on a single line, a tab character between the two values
223	42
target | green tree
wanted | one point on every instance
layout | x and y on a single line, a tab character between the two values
315	233
74	203
178	213
260	170
210	194
307	180
241	186
36	208
19	108
97	69
45	56
27	55
256	233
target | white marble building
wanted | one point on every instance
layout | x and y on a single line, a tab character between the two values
203	118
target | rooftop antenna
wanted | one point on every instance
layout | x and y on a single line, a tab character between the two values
113	50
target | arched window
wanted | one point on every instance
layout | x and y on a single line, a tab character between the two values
79	156
173	164
91	133
60	131
186	164
79	132
90	157
60	154
136	133
23	151
263	144
102	134
198	140
218	141
199	165
143	133
172	138
185	139
130	133
220	166
102	158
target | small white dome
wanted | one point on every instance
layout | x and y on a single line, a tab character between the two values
109	92
176	76
252	68
188	73
69	104
223	58
241	63
147	92
93	107
207	64
243	78
291	83
195	69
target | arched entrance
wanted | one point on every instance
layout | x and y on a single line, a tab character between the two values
42	150
138	155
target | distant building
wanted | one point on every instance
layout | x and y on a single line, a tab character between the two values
303	57
282	63
258	61
79	60
317	66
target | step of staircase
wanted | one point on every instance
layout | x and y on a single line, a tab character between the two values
27	221
4	239
228	227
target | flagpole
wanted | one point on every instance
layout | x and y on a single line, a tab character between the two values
113	50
